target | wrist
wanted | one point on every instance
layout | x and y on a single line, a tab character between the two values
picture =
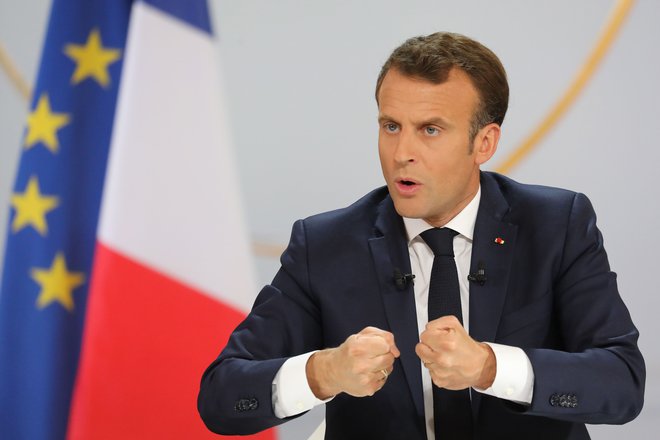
319	374
489	369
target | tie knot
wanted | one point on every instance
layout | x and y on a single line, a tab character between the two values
440	240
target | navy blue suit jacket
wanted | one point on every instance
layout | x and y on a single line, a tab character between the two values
549	291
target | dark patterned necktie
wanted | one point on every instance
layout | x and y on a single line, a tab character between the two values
452	413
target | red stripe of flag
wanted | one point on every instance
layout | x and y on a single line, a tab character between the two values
146	344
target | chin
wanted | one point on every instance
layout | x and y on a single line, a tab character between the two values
405	209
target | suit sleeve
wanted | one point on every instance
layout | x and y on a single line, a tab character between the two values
599	376
235	392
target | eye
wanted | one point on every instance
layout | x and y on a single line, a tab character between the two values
391	127
431	131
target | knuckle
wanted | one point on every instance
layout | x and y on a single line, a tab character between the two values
450	345
382	345
442	362
356	368
354	349
368	329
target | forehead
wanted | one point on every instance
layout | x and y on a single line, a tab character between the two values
405	97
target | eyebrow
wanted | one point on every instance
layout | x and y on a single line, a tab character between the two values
382	118
437	121
432	121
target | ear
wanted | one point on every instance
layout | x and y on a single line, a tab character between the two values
485	143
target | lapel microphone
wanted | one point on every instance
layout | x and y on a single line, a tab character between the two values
401	280
479	276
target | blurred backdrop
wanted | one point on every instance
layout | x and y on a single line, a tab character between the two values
299	80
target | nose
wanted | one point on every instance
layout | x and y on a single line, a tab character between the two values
405	148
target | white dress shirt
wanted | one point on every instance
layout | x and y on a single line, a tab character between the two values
514	379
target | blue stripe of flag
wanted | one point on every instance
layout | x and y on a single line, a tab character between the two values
193	12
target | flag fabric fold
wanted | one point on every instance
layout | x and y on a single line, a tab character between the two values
127	263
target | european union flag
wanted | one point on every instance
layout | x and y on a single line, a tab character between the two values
54	212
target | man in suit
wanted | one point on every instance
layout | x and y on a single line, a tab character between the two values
509	325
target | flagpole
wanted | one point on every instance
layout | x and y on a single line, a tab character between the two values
14	75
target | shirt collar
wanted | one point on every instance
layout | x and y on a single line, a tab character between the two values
463	222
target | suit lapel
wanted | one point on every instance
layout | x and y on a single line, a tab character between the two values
493	249
389	251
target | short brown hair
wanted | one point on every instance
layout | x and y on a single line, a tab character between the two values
431	58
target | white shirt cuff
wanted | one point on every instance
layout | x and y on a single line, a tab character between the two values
514	378
291	392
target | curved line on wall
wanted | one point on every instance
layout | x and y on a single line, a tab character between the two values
604	43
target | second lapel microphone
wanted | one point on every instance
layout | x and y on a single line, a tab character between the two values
479	276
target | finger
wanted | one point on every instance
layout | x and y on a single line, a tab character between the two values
382	374
371	345
442	343
385	361
379	383
395	351
371	330
436	339
389	338
444	323
425	353
438	335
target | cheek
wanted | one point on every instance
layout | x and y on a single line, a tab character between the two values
384	152
444	174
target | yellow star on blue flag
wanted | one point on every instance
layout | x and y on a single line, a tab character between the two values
92	59
57	283
31	208
43	124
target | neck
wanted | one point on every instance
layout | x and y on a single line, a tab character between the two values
441	220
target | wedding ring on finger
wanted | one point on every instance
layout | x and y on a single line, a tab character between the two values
384	373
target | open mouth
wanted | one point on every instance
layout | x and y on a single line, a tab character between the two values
407	186
406	182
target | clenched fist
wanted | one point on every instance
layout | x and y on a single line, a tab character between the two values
454	359
359	366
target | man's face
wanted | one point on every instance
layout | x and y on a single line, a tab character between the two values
424	145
